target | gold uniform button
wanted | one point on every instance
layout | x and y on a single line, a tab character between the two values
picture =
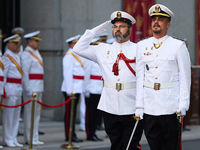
108	52
166	58
156	77
119	69
156	67
118	79
156	55
120	50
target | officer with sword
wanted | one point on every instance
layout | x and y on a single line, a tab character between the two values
163	82
117	63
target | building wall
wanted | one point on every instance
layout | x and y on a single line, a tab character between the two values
58	20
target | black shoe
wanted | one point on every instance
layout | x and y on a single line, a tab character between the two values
92	138
74	139
20	134
100	128
98	138
40	133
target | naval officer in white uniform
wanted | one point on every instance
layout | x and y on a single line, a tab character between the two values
33	68
161	61
13	87
1	75
73	78
117	63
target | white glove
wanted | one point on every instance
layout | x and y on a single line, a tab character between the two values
29	93
139	112
101	28
69	94
87	94
181	112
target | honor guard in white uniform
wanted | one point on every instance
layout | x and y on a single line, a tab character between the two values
1	75
117	63
73	76
85	94
33	69
13	88
19	31
163	81
103	37
94	87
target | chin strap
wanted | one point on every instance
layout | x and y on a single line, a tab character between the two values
126	60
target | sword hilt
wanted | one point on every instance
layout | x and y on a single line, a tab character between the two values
136	117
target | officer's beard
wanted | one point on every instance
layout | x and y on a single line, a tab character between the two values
120	37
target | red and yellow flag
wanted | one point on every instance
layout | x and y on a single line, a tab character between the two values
198	30
139	10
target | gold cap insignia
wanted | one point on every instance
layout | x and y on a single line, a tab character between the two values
119	15
157	9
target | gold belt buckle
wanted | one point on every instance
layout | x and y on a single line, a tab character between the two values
118	86
156	86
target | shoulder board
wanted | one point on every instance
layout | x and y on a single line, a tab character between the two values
179	39
143	39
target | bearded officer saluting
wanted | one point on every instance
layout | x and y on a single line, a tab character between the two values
117	63
163	81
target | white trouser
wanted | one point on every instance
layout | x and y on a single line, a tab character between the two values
27	117
11	119
82	112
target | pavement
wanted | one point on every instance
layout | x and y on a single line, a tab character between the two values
54	137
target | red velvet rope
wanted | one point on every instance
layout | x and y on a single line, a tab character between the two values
16	105
53	106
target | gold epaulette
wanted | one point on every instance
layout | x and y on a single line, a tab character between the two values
179	39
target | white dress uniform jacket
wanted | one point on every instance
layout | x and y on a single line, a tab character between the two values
96	79
163	65
112	101
31	66
72	69
13	89
11	71
1	75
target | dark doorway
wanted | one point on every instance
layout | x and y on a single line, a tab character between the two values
9	17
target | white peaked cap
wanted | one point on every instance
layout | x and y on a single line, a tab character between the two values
73	39
17	30
122	16
13	38
33	35
160	10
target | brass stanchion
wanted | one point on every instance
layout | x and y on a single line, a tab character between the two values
32	122
70	146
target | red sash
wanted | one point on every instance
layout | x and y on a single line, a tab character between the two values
36	76
78	77
95	77
126	60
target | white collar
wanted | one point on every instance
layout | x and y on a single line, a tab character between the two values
157	41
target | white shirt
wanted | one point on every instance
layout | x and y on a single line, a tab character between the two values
163	65
72	66
111	101
95	86
11	71
30	65
2	75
